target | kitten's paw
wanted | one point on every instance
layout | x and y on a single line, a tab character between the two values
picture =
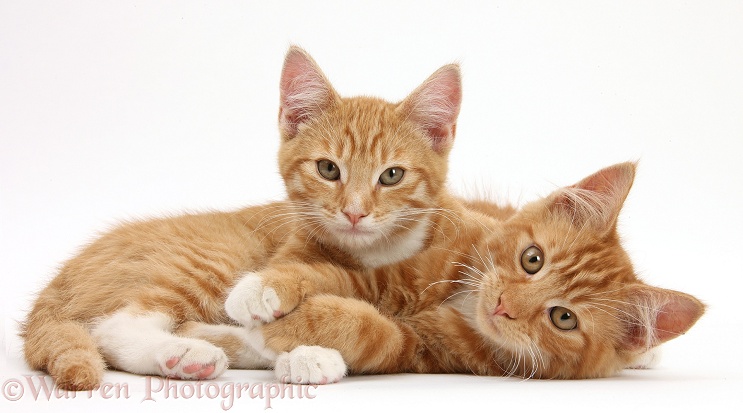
310	365
191	360
250	303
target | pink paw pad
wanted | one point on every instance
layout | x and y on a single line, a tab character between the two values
192	368
207	371
172	362
278	314
202	371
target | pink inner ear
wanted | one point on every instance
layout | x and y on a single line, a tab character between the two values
434	106
304	90
659	315
598	198
676	317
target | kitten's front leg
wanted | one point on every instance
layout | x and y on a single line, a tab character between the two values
436	340
327	333
262	297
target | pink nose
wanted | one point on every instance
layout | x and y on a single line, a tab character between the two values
501	309
354	218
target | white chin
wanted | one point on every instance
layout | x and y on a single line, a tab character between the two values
356	241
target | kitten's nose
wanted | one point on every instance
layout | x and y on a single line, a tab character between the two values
501	309
354	218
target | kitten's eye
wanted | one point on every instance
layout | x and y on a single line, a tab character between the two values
532	259
391	176
328	170
563	318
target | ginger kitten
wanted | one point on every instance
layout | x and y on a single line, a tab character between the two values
365	181
367	178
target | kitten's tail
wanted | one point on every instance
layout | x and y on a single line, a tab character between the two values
63	348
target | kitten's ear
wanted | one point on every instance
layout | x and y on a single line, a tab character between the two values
655	315
305	91
434	106
597	199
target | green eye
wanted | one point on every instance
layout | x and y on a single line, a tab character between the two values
532	259
563	318
391	176
328	170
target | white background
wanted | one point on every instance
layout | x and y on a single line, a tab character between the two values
113	110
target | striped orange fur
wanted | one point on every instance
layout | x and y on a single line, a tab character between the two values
179	266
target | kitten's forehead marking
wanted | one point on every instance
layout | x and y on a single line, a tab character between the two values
588	271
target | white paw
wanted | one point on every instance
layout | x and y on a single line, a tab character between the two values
191	359
310	365
249	303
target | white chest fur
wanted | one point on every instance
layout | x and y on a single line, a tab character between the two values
395	250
